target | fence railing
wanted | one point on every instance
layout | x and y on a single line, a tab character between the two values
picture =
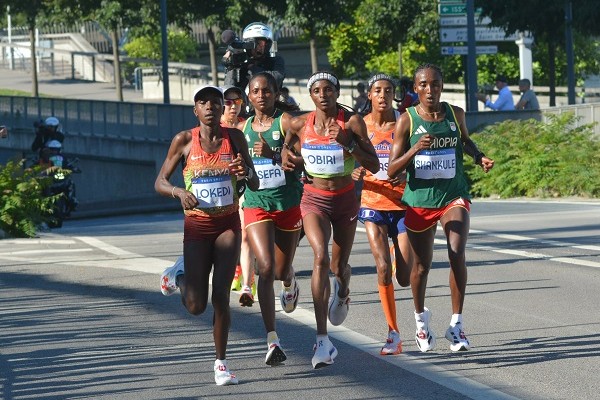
99	118
160	122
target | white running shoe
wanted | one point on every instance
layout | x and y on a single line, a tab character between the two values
289	296
223	376
325	352
275	355
168	279
457	338
425	337
246	297
393	344
338	306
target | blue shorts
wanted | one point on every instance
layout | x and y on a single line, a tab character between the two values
393	219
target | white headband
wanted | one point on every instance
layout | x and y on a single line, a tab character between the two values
322	76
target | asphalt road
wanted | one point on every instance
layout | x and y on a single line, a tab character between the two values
82	317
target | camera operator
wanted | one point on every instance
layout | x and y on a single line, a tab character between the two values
251	55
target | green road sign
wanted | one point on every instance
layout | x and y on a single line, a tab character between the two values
455	9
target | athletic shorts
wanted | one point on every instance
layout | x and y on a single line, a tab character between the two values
420	219
288	220
209	228
394	220
340	206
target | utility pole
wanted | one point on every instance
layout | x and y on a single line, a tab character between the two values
472	104
569	50
165	51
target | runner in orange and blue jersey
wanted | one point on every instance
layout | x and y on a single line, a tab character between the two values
382	211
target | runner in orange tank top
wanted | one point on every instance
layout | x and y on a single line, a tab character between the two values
381	209
211	238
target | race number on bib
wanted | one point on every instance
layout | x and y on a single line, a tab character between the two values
213	191
270	176
326	159
384	160
435	164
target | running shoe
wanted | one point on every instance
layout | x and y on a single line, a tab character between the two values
168	279
275	355
457	338
236	284
289	296
223	376
246	297
393	344
425	337
325	352
338	306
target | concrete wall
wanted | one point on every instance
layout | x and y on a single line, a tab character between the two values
118	173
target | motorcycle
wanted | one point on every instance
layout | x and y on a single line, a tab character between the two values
48	143
63	186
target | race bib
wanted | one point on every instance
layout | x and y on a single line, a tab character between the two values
323	159
213	191
435	164
384	160
270	176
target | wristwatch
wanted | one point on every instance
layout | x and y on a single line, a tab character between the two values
276	158
249	174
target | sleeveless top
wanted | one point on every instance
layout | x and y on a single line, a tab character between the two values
278	190
207	176
323	157
377	192
435	177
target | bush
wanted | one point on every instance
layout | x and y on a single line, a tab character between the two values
22	204
537	159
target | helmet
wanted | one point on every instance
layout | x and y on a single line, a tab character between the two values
52	121
257	30
54	144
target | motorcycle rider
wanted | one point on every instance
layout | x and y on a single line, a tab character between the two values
45	132
258	59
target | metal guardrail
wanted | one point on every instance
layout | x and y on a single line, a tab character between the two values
145	121
141	121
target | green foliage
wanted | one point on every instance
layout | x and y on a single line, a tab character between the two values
181	47
22	205
537	159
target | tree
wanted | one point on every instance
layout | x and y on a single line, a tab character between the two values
545	19
386	36
30	10
316	17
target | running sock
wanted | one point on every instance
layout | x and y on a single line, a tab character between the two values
272	337
455	320
388	303
322	337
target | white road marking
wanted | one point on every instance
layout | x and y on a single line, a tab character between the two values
448	379
451	380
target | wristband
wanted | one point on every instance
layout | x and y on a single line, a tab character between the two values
173	191
350	148
477	157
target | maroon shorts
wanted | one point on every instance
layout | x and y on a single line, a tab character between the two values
288	220
420	219
209	228
341	206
